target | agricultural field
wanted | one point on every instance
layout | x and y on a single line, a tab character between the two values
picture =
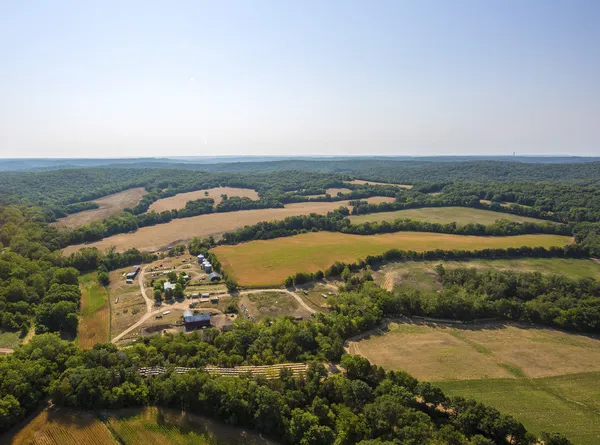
421	275
181	230
569	403
443	215
109	205
127	305
178	201
148	426
334	191
548	379
361	182
62	427
94	325
272	304
268	263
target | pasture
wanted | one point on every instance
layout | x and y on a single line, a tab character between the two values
334	191
361	182
109	205
178	201
94	324
569	403
443	215
182	230
547	379
272	304
268	263
421	275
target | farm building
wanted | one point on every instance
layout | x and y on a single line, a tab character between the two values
201	259
207	267
129	281
195	321
168	287
131	275
214	277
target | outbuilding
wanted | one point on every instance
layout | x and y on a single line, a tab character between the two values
195	321
214	277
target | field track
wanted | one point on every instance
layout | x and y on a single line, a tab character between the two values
268	263
181	230
109	205
178	201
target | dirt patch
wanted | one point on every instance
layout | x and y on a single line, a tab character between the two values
182	230
109	205
178	201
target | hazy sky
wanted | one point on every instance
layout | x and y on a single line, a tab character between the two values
147	78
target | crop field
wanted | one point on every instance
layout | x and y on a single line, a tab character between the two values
181	230
569	403
273	304
443	215
94	324
421	275
109	205
148	426
361	182
178	201
268	263
62	427
334	191
547	379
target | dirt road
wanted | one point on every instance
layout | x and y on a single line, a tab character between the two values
6	351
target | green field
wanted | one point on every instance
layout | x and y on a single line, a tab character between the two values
94	322
422	276
443	215
9	339
268	263
569	403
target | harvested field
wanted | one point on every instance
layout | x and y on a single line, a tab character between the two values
421	275
62	427
178	201
268	263
444	215
361	182
94	324
334	191
181	230
493	350
109	205
569	404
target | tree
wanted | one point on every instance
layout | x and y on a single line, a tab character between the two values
103	278
346	274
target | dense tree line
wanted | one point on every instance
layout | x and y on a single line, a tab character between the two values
365	405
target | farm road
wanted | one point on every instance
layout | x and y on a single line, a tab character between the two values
6	351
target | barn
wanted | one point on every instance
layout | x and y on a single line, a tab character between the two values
192	322
214	277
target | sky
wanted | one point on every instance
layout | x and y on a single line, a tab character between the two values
190	78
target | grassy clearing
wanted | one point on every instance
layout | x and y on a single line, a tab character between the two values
421	275
267	263
159	426
95	314
272	304
361	182
109	205
178	201
9	339
62	427
569	403
127	305
180	230
443	215
473	352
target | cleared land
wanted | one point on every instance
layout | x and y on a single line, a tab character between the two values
94	324
361	182
547	379
181	230
9	339
273	304
422	276
109	205
178	201
334	191
443	215
569	403
127	306
148	426
268	263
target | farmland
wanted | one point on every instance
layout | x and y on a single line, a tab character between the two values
547	379
109	205
179	230
178	201
94	324
443	215
263	304
150	426
267	263
127	305
421	275
361	182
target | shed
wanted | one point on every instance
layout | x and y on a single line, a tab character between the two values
196	321
168	286
129	281
214	277
187	313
